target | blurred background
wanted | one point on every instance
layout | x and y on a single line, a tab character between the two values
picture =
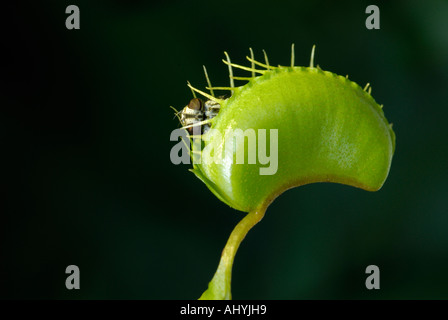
87	177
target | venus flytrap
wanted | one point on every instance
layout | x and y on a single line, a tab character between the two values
291	126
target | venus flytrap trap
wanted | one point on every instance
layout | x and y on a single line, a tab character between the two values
286	127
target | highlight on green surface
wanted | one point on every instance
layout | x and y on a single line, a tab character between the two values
287	126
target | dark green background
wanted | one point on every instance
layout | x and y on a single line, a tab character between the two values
85	123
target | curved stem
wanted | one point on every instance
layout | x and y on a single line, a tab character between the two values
219	287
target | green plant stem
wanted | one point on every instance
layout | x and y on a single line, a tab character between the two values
220	286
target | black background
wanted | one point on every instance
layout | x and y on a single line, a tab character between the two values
87	178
